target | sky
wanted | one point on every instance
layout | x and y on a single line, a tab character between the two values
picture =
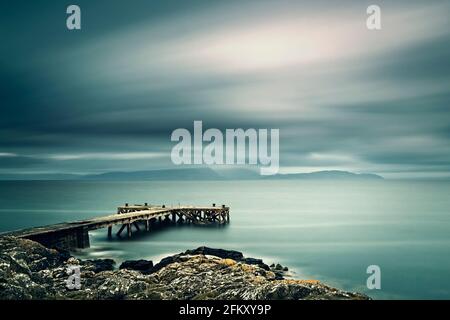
107	97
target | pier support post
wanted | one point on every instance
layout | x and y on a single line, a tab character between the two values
109	231
128	230
121	229
180	218
82	238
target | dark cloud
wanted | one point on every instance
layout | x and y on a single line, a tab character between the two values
343	98
426	60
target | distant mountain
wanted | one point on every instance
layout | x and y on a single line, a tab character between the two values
190	174
327	175
226	174
168	174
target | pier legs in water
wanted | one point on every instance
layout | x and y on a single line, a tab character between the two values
129	230
194	215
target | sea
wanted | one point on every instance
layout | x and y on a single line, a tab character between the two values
330	231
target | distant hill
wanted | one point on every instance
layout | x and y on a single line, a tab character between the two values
328	175
226	174
200	174
168	174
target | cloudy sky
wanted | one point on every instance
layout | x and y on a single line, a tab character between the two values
107	97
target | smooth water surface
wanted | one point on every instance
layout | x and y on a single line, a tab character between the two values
330	231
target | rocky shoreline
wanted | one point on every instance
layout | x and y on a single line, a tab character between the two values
28	270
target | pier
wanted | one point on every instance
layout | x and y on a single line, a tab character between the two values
140	217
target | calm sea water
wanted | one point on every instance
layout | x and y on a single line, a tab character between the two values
330	231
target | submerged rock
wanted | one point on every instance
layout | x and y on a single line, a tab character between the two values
30	271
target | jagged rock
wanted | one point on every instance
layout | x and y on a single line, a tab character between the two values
100	265
30	271
278	270
221	253
139	265
165	262
257	262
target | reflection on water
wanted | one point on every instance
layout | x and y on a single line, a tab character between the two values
329	231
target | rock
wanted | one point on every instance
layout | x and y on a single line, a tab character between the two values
31	271
257	262
100	265
165	262
139	265
26	252
221	253
279	270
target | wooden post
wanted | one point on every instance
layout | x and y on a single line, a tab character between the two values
128	230
82	238
121	229
147	225
109	231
